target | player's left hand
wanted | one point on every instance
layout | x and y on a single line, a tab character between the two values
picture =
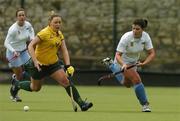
69	70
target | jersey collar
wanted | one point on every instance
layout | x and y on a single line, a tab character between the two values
54	33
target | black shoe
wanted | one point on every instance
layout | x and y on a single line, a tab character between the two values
16	99
14	90
86	106
107	61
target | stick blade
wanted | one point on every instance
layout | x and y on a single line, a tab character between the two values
75	109
99	81
104	77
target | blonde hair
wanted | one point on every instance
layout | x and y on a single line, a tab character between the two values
52	15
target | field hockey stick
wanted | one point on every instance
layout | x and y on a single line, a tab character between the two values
72	97
111	75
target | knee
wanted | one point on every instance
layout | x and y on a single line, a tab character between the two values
127	84
135	82
19	77
35	88
65	83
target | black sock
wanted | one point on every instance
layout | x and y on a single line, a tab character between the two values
76	95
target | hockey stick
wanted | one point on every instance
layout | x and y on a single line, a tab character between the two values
111	75
72	97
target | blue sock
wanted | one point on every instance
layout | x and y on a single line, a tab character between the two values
115	68
140	93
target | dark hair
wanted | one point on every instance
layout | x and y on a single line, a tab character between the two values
20	9
52	15
141	22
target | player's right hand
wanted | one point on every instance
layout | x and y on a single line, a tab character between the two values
124	67
37	65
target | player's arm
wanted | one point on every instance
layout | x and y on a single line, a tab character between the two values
31	48
31	35
66	58
149	58
118	57
10	36
150	51
65	53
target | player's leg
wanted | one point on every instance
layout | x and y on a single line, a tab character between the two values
36	78
139	89
16	64
18	72
114	67
61	78
14	90
34	84
127	83
19	77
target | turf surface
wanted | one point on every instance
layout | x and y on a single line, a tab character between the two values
110	104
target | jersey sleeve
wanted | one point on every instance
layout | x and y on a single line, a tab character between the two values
31	33
148	44
122	44
42	35
9	38
61	35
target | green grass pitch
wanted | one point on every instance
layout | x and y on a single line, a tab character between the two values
110	104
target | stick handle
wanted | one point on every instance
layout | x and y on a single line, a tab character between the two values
131	66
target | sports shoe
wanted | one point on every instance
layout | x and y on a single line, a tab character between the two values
145	108
16	99
14	90
107	61
86	106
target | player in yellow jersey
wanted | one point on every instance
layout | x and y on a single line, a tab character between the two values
45	62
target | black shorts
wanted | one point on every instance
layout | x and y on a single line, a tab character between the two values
45	70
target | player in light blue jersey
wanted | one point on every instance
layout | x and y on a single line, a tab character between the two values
128	52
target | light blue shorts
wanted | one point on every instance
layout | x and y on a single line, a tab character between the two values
115	67
17	61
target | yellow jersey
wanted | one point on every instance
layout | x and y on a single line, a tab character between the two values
46	50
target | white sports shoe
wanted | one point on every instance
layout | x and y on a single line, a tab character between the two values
107	61
145	108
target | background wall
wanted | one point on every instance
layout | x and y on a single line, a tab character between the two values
88	27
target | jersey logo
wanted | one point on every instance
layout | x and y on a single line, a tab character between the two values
57	44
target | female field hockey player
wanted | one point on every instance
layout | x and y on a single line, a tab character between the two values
130	46
45	62
19	34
